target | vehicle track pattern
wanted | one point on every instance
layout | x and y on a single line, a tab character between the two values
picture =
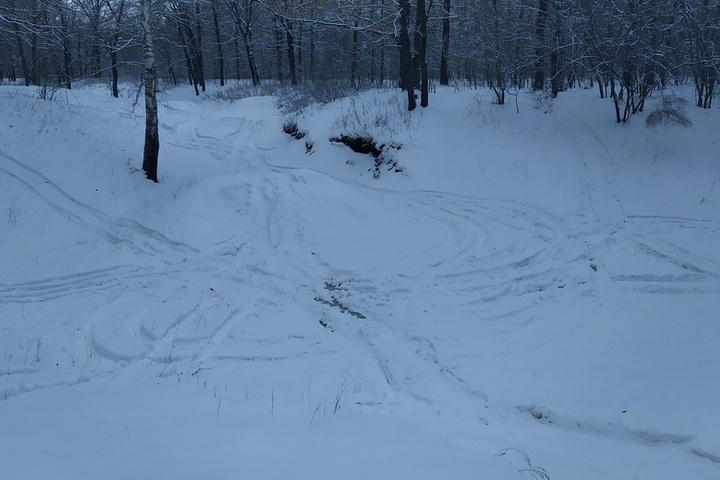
499	260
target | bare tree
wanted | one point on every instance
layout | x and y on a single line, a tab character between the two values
152	136
445	51
406	68
540	25
631	44
117	12
702	35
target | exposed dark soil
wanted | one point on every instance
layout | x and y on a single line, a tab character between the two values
291	128
368	146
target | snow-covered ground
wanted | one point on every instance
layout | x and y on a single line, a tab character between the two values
533	295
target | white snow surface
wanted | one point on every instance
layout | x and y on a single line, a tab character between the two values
536	295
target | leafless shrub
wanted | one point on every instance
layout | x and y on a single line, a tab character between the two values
543	101
293	100
240	90
670	111
329	90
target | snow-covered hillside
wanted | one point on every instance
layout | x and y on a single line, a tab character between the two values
529	294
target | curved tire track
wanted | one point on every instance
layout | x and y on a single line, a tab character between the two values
123	231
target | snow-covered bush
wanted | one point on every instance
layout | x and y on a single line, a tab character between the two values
382	117
670	111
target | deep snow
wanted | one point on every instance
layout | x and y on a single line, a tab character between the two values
546	281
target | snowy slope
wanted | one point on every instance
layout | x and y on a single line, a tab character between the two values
545	281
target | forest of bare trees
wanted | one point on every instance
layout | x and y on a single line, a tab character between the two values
623	48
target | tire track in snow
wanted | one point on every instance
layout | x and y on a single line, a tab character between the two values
114	340
641	231
499	258
52	288
597	169
222	143
524	255
618	430
693	274
118	231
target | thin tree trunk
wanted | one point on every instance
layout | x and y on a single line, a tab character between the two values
152	137
114	49
250	53
299	50
540	22
354	58
278	50
221	57
290	52
236	42
114	72
554	80
311	68
422	53
445	51
406	65
198	48
67	56
192	70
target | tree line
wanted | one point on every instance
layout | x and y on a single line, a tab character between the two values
624	48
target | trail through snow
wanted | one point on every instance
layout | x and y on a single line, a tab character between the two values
270	313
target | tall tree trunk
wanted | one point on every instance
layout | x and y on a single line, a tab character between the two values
152	136
114	48
417	39
244	13
445	51
250	53
299	50
354	57
218	40
422	53
39	21
382	49
406	64
198	49
311	68
290	51
278	49
96	39
382	65
190	58
236	42
67	55
540	22
554	73
114	72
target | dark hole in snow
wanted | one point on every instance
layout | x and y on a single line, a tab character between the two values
359	144
368	146
292	129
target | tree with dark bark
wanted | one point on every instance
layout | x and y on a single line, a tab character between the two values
702	38
245	14
422	33
540	24
445	51
186	18
218	43
117	10
406	64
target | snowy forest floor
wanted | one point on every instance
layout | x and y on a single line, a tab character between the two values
529	294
